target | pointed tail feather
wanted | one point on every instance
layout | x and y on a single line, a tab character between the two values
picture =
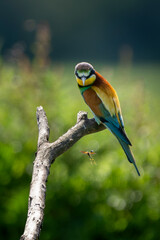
128	153
123	140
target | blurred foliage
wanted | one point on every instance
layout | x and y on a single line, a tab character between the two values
103	201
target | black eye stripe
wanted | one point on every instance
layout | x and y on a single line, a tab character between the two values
91	72
76	74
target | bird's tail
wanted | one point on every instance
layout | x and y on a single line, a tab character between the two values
128	153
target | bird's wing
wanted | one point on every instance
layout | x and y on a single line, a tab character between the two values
118	111
106	111
111	103
113	124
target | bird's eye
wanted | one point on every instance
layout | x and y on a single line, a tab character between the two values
85	73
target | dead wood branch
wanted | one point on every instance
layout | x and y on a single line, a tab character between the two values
46	154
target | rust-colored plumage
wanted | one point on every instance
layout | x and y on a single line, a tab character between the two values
102	99
93	101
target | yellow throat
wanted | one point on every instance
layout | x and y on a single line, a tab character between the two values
87	82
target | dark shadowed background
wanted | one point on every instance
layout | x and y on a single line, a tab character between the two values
97	30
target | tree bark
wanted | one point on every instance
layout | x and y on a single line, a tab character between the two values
45	156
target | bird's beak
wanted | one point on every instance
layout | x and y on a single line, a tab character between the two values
83	80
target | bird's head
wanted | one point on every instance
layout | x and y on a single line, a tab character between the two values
85	74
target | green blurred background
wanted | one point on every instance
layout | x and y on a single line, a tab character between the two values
40	43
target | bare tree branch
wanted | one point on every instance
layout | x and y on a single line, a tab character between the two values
42	126
46	154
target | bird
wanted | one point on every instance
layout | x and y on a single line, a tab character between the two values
103	102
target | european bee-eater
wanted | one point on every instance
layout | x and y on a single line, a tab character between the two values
103	101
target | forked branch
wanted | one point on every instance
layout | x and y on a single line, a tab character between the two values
45	156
